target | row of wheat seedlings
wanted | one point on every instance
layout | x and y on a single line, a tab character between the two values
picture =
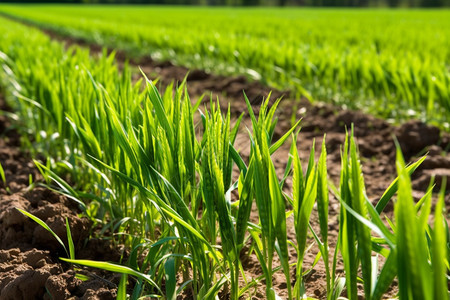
345	56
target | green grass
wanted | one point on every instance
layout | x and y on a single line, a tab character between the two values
161	182
393	63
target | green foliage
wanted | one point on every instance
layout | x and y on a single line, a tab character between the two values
304	194
393	63
111	267
46	227
417	258
268	195
2	174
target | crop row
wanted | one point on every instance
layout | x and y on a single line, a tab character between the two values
391	63
162	183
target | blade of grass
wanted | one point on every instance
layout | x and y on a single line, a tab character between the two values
45	226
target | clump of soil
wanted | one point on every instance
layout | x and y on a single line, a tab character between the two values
35	274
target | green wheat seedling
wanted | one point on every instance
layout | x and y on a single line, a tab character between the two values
269	197
355	239
217	165
403	243
416	260
2	174
307	189
46	227
353	232
304	195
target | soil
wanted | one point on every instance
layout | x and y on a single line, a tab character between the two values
29	252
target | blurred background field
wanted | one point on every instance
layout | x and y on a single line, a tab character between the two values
391	63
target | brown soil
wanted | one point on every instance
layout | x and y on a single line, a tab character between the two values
375	138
